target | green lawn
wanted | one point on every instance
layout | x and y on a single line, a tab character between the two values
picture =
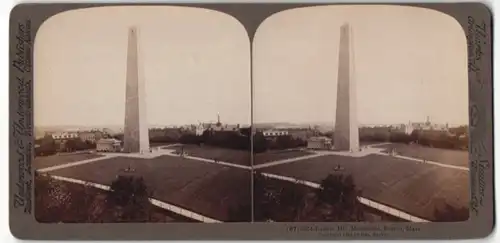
409	186
59	159
445	156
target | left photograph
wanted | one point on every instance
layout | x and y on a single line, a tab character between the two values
142	114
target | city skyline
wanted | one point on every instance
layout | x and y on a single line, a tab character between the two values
276	124
213	121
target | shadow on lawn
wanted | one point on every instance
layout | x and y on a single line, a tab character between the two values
63	202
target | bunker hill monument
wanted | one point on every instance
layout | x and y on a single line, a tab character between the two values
346	135
136	137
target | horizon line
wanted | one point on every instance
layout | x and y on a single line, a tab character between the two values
249	124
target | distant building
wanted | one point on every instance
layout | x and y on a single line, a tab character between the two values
424	126
64	135
407	128
108	145
91	136
274	133
87	136
216	127
319	143
200	129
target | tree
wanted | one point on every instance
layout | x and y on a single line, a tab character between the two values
46	146
118	136
259	143
78	144
276	200
190	139
225	139
341	196
168	135
415	135
400	137
263	198
461	130
205	135
335	200
90	145
240	213
246	131
131	195
285	142
450	213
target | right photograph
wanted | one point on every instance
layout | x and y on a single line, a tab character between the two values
360	114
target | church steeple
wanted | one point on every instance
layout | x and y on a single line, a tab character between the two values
218	120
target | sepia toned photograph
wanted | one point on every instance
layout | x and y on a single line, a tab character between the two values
360	115
345	113
142	114
255	121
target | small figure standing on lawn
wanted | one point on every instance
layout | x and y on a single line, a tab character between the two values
337	168
129	169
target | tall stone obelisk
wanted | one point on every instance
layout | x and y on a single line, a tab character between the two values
136	134
346	134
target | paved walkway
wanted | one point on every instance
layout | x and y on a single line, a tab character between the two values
149	155
426	161
378	144
155	153
365	151
211	161
81	162
417	159
104	156
368	150
289	160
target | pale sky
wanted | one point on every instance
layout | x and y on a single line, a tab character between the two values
196	64
410	63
